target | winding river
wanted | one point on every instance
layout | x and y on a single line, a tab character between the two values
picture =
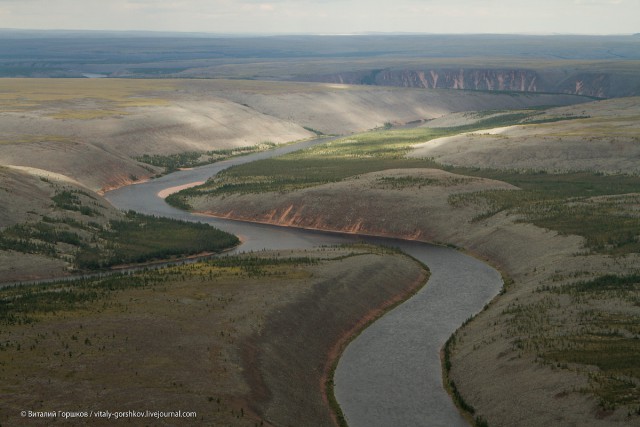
390	375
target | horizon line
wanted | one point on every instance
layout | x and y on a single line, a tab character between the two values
336	34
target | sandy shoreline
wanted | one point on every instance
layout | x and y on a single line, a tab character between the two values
169	191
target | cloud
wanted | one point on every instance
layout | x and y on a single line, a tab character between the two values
599	2
327	16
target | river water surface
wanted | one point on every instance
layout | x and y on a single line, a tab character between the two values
390	375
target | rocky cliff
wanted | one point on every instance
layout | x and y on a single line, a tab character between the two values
595	84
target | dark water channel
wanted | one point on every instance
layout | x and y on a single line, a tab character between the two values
390	375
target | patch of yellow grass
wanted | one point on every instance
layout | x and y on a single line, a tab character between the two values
143	102
30	139
599	128
87	114
268	87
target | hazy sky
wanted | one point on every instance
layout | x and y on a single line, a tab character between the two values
328	16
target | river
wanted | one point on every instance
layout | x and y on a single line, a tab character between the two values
390	375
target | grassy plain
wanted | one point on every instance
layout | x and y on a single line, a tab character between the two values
239	340
26	94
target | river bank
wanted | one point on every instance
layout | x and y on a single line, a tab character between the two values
497	351
242	343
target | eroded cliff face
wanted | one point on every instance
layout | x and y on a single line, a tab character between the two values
475	79
600	85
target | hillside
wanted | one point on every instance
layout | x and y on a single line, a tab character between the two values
605	138
92	130
250	339
73	138
27	196
95	131
562	338
51	226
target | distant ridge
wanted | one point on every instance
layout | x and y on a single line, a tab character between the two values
13	33
521	63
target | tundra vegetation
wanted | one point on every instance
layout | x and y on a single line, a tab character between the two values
191	159
601	66
79	230
86	234
107	97
69	340
214	337
135	238
343	158
579	321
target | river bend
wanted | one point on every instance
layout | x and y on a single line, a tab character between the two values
390	375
